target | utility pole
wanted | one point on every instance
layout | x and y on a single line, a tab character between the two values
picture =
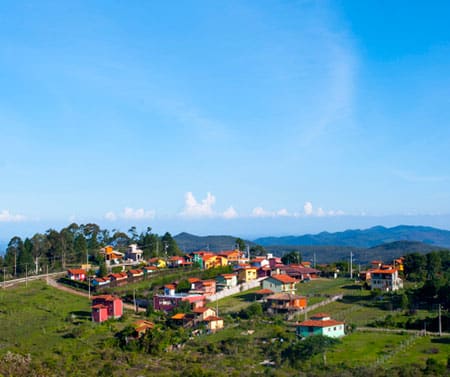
46	278
134	300
314	260
4	278
89	287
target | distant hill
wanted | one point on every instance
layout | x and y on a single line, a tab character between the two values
328	254
364	238
189	242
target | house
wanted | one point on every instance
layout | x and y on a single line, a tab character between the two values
213	323
299	272
321	324
100	282
226	281
387	280
285	302
197	257
134	254
105	307
203	313
247	273
170	299
183	319
260	262
176	261
135	275
141	327
111	255
77	274
261	294
280	283
204	287
157	262
213	261
148	270
118	279
234	256
264	272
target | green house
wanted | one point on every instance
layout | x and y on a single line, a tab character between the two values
321	324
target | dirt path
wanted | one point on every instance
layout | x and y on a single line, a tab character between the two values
62	287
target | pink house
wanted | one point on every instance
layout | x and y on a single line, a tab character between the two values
76	274
105	307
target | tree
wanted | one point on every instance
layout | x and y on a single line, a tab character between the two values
170	245
102	271
240	244
258	251
40	247
80	248
414	266
15	246
434	264
293	257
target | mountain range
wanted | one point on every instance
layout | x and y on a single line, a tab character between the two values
365	238
365	245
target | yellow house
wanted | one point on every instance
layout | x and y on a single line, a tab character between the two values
158	262
214	261
246	274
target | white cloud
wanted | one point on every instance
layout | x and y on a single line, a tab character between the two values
308	208
111	216
230	213
321	212
131	214
261	212
7	217
283	212
138	214
193	208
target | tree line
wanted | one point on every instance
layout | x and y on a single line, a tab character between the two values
76	244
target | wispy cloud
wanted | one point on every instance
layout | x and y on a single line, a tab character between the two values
131	214
8	217
416	178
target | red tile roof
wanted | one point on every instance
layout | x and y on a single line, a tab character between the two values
179	316
193	280
284	278
319	323
212	318
387	272
170	286
76	271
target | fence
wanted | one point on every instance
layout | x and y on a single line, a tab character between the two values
233	290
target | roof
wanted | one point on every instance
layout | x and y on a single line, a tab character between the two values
319	323
284	297
229	252
99	306
208	282
283	278
320	315
193	280
170	286
264	292
135	272
179	316
386	272
142	325
228	276
201	310
212	318
76	271
105	297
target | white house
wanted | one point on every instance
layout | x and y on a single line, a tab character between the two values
134	253
386	280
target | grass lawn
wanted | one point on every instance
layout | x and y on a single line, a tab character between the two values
237	302
386	349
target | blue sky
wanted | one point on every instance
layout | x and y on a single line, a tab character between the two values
244	117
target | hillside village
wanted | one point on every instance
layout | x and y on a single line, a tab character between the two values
172	304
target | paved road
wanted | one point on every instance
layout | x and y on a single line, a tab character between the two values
13	282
